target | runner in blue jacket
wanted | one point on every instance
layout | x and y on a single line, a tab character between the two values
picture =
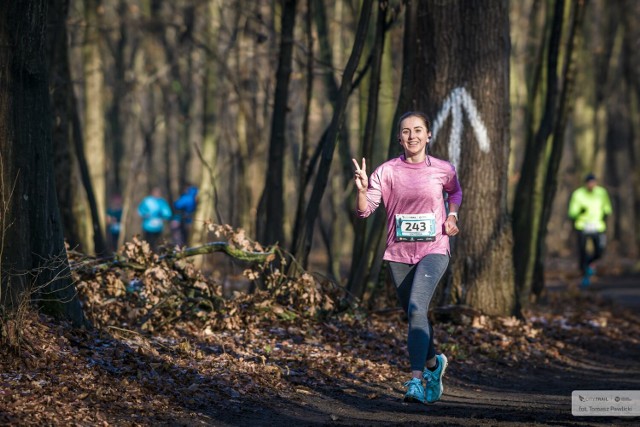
154	211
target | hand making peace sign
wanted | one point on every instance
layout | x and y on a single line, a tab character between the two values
360	177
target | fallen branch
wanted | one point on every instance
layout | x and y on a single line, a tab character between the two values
208	248
230	250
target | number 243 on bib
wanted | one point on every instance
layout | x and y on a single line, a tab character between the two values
416	227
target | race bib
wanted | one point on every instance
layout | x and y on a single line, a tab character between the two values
155	223
415	228
591	227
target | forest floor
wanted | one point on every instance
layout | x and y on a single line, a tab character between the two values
265	362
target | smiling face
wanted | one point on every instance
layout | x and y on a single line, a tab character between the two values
414	137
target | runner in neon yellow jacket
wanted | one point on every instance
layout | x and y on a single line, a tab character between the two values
589	208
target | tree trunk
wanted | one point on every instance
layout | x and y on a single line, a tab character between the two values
194	103
270	227
304	236
208	203
529	196
565	105
326	58
68	187
241	173
527	23
331	54
33	257
631	53
303	161
94	121
536	188
462	68
367	268
356	284
115	113
93	213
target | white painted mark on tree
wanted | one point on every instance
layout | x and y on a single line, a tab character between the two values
457	101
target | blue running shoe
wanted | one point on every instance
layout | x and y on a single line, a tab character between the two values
434	387
415	391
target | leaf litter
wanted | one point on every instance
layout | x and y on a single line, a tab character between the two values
167	347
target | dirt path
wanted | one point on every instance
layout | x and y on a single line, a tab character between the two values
337	371
490	398
622	290
495	396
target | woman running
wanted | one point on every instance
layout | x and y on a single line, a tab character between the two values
419	224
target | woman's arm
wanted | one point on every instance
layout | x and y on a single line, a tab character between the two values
369	190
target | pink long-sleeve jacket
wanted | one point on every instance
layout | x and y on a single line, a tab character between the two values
413	188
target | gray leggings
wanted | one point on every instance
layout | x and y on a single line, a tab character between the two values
416	284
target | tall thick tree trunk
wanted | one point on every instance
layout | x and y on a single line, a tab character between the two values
462	80
33	257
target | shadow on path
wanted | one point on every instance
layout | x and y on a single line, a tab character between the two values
499	396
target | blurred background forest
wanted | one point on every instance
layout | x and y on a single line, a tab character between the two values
243	100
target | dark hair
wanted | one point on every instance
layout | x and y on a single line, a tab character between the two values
589	177
418	114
